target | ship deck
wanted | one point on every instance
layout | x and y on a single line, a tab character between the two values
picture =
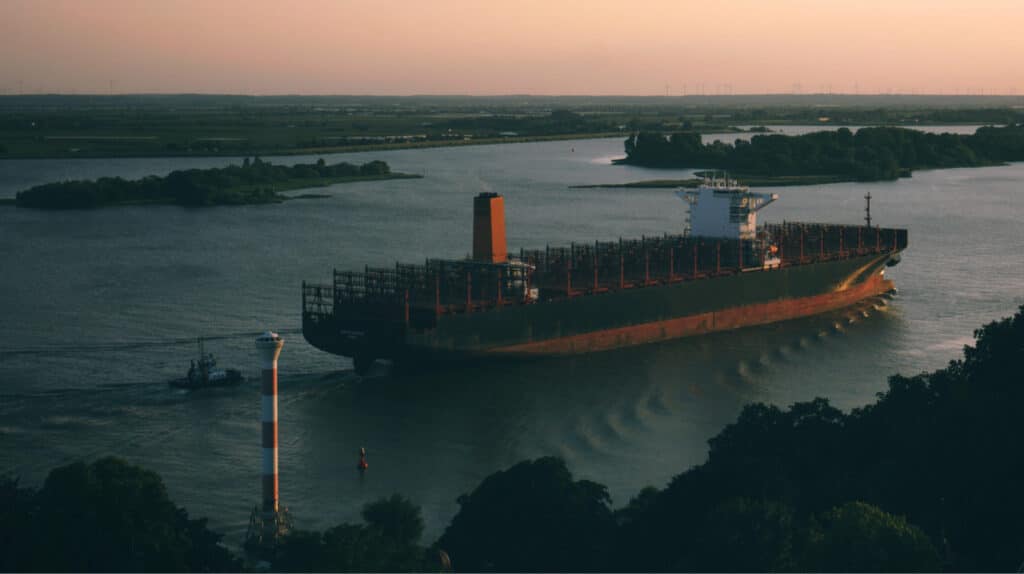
410	301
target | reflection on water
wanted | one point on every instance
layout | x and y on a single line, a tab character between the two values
101	309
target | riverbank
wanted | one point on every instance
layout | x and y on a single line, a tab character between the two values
141	153
453	143
742	179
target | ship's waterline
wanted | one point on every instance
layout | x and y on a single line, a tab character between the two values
704	323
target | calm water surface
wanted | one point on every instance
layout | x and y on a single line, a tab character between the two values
100	309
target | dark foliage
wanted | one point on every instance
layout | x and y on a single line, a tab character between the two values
858	537
17	531
388	542
531	517
870	154
939	448
251	182
744	535
107	516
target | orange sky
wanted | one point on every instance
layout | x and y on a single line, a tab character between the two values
631	47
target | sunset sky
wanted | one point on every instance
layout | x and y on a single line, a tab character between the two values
487	47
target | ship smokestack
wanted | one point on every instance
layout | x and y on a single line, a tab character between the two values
489	228
268	345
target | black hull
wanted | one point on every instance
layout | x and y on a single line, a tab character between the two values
616	318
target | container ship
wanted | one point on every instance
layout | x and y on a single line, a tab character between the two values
722	272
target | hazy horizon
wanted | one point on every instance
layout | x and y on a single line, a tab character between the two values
461	48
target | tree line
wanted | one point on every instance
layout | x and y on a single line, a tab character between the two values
251	182
869	154
926	478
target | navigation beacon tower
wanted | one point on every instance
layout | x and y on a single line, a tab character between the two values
269	521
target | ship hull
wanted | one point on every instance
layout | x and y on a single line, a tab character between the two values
702	323
622	317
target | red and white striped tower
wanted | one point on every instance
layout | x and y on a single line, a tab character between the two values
268	345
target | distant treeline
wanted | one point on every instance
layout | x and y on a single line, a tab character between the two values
92	126
255	181
926	478
870	154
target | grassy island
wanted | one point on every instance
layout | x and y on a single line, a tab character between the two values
645	184
255	181
751	180
870	154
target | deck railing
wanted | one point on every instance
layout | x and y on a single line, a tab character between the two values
419	294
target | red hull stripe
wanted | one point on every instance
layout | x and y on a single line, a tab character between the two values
744	316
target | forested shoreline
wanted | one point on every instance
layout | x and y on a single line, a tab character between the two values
926	478
195	125
252	182
869	154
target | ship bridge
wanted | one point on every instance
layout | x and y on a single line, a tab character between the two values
722	208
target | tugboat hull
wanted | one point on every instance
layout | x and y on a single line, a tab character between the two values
231	378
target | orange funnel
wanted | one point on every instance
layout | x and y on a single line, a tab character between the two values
489	228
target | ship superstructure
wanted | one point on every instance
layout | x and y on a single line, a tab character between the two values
723	272
721	208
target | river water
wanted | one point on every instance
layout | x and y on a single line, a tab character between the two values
100	308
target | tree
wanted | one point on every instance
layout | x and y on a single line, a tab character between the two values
113	516
393	529
388	542
531	517
858	537
17	536
395	518
744	535
300	551
375	167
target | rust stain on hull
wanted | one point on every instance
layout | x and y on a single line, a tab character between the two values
734	318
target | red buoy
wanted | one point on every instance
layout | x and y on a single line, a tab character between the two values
363	465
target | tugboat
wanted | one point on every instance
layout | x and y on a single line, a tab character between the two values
203	374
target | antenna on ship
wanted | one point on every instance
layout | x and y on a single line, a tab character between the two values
867	209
